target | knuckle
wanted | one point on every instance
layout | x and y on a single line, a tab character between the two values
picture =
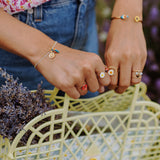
87	68
65	85
77	77
96	58
127	56
110	56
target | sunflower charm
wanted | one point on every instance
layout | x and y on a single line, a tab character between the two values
51	54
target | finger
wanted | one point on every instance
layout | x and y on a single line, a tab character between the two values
72	92
92	81
82	88
113	73
103	78
124	77
137	72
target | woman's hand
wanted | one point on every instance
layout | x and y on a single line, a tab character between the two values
125	50
68	71
71	69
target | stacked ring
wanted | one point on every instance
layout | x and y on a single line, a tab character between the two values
111	70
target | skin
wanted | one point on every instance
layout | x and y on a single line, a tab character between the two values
71	69
125	46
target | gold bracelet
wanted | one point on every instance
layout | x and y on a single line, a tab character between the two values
51	54
125	17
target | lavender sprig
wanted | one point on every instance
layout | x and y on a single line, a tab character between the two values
18	106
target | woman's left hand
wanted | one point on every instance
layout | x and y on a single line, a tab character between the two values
126	51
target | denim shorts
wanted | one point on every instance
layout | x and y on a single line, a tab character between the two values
70	22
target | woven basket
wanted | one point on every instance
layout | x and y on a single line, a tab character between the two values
111	127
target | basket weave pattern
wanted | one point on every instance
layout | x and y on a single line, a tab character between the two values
110	127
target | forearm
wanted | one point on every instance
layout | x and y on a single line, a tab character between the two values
22	39
130	7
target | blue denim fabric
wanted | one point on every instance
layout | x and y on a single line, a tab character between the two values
70	22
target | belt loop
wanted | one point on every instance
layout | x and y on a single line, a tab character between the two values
38	13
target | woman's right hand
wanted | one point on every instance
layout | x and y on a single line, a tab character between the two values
68	71
71	69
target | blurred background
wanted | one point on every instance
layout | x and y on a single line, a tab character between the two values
151	24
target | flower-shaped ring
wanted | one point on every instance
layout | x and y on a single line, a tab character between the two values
102	75
111	70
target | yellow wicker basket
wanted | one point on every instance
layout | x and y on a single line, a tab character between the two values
111	127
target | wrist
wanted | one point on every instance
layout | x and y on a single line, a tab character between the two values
38	48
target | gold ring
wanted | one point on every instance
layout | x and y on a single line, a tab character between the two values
138	73
102	75
111	70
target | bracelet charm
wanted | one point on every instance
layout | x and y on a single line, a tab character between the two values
123	17
51	54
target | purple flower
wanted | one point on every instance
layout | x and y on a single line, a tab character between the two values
151	55
154	32
154	13
154	67
157	84
146	79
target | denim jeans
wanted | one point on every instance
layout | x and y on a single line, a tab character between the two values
70	22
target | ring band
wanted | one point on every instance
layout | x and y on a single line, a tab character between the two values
138	73
84	87
111	70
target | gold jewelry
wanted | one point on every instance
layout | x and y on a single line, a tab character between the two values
138	73
137	19
123	17
111	70
51	54
102	75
